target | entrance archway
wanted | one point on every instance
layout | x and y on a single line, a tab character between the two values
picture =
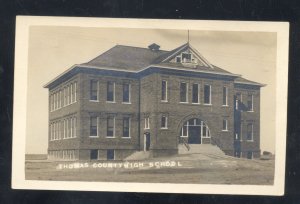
195	131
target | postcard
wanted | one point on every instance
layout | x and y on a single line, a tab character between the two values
140	105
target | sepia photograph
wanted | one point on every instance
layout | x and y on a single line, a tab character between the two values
172	106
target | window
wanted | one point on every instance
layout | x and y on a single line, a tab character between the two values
178	59
184	130
164	122
207	94
126	127
94	90
110	126
69	94
225	125
186	57
195	92
205	132
72	93
65	95
74	130
93	127
250	132
94	154
164	90
64	129
110	154
110	91
250	102
238	101
75	91
225	96
249	155
67	130
147	123
183	92
126	93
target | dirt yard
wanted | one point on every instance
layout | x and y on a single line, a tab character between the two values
196	169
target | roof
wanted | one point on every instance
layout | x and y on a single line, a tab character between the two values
241	80
126	57
136	60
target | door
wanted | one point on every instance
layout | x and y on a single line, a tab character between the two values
147	141
194	135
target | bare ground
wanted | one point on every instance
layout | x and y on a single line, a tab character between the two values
196	169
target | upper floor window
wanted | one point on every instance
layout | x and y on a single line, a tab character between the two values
195	93
225	96
183	92
164	90
110	126
147	123
207	94
250	102
164	122
126	127
238	101
178	59
94	90
110	91
186	57
250	131
93	126
126	93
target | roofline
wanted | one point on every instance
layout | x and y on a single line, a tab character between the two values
198	71
60	75
183	46
123	70
250	83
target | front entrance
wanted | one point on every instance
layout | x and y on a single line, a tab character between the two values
194	135
195	131
146	141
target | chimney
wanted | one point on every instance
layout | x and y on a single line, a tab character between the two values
154	47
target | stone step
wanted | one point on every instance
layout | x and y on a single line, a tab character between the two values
200	149
138	155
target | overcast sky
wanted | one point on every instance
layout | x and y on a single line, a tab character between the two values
52	50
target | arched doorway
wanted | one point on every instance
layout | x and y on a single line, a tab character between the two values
195	131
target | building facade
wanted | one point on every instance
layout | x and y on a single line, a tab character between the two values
132	99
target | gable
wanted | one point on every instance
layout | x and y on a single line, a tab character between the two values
188	57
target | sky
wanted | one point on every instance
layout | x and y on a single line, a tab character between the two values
54	49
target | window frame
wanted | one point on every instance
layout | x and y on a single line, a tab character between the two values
252	107
91	94
114	92
204	94
226	96
182	58
129	94
114	126
165	122
252	127
147	123
226	125
97	128
198	93
129	131
166	91
186	92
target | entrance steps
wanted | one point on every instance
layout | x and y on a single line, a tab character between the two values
138	155
207	149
